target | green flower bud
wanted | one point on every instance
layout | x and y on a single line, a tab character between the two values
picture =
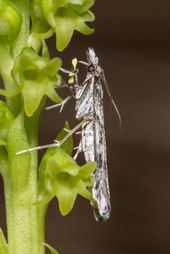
10	21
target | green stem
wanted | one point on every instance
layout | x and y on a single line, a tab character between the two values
19	221
38	211
25	219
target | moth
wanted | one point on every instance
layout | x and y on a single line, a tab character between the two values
89	111
93	141
89	103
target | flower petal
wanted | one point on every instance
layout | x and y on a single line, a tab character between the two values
66	197
87	170
83	191
67	21
87	4
51	249
62	161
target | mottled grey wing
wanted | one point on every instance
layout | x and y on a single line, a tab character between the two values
93	137
94	147
101	191
84	100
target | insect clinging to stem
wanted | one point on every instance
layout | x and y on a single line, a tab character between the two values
89	111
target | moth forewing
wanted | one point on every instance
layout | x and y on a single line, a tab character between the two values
93	135
100	190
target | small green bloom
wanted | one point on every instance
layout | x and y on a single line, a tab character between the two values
63	17
62	177
68	20
36	77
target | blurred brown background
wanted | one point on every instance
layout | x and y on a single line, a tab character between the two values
132	40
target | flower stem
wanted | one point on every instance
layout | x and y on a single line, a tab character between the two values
25	219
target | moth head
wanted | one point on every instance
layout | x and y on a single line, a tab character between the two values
91	68
94	70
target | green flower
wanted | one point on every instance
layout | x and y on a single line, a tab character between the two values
36	77
63	178
61	17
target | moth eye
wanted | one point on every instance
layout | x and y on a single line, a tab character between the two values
91	68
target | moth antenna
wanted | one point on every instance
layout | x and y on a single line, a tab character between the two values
111	99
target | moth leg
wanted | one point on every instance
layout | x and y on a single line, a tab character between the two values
86	80
63	85
72	92
76	148
67	130
78	133
66	71
79	150
61	104
84	63
57	143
